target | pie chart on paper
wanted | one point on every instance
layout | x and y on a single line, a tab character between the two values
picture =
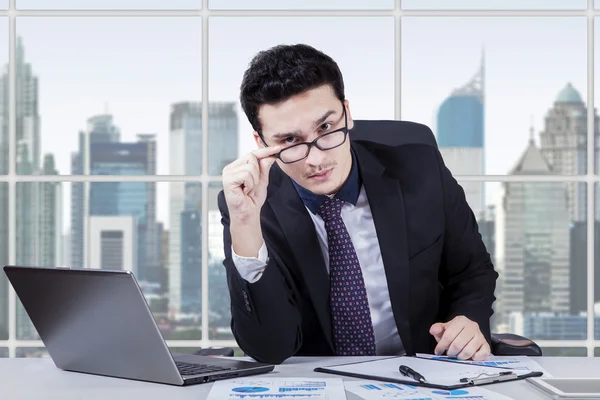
457	392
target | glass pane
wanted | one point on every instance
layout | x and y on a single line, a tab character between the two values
3	352
484	98
301	5
182	213
597	92
564	351
4	4
538	252
89	89
42	237
494	4
3	260
368	85
166	265
4	106
32	352
596	264
109	4
218	291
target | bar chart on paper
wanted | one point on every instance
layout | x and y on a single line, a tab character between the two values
371	390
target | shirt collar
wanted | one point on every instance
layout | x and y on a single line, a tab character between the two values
348	193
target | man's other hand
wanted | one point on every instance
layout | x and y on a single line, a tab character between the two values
460	338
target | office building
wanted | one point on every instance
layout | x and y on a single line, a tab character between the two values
222	136
27	142
100	129
185	150
552	326
185	159
563	144
579	263
532	241
113	243
460	135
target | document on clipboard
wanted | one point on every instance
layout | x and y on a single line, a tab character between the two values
437	374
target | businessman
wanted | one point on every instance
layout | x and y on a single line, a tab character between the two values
340	247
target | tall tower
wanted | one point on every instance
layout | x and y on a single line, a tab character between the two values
460	135
184	198
563	144
100	129
185	155
532	241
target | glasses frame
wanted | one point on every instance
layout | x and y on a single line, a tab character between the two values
314	142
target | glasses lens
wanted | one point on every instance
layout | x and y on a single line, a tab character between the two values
294	153
331	140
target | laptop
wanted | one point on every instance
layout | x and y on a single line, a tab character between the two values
98	322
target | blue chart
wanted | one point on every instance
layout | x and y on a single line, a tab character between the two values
382	386
274	396
250	389
299	389
504	363
450	392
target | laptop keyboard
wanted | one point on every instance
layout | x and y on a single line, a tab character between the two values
197	369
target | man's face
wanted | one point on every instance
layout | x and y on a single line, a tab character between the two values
303	118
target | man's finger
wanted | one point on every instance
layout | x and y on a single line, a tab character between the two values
265	167
471	348
450	333
483	353
461	340
266	152
437	331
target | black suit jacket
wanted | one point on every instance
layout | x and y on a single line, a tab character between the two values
435	262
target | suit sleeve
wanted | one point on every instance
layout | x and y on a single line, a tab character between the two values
467	275
265	320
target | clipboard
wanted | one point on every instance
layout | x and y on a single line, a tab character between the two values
438	374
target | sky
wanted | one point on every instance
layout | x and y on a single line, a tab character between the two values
136	67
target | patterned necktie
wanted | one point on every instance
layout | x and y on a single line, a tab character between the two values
352	327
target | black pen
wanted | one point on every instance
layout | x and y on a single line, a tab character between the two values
408	371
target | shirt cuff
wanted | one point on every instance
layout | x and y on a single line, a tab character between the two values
251	268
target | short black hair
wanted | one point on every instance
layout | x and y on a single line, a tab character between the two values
283	71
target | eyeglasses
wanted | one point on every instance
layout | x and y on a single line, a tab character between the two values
328	141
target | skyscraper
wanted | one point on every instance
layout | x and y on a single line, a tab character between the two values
563	144
223	136
460	135
100	129
107	155
27	141
532	241
186	159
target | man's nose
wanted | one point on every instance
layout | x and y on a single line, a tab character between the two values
315	157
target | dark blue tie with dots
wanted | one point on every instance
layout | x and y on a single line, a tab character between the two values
350	315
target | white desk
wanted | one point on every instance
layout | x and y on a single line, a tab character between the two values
39	379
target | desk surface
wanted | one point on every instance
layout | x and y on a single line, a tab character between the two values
30	378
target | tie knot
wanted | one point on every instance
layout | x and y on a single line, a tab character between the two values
331	208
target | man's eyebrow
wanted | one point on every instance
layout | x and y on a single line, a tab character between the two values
316	123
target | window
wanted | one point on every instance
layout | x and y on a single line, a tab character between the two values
461	92
90	92
134	91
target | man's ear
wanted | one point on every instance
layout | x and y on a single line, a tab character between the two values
348	114
258	140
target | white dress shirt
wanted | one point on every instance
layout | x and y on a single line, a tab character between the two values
359	223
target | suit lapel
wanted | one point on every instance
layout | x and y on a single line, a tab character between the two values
299	230
387	206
